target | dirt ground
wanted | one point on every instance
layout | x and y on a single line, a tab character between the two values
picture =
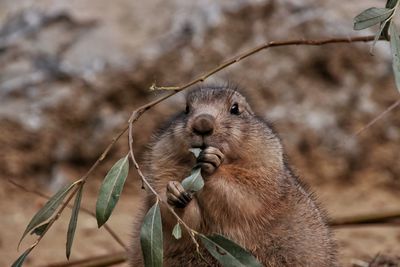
69	80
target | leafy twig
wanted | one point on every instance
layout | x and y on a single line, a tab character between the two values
55	218
85	210
97	261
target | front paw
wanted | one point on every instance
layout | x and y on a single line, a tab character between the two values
210	159
176	195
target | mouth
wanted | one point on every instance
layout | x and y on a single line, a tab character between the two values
198	142
204	143
199	145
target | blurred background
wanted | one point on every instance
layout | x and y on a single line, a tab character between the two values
72	71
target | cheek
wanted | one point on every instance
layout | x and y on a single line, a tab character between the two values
180	134
183	128
231	142
232	129
236	133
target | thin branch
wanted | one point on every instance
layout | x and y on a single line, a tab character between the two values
97	261
377	118
383	218
255	50
85	210
154	87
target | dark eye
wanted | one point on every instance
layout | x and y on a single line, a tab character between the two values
235	109
187	110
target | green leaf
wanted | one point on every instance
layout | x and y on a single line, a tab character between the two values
391	3
73	221
47	210
21	259
177	232
395	47
40	229
194	182
371	16
151	238
111	189
227	252
195	151
378	35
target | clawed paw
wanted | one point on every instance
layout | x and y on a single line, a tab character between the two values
210	159
176	195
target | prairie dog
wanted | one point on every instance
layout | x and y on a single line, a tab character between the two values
250	194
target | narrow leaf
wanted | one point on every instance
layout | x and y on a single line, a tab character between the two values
195	151
391	3
111	189
371	16
47	210
73	221
21	259
194	182
227	252
151	238
395	47
378	35
177	232
40	229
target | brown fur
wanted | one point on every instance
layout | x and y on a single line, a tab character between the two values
252	197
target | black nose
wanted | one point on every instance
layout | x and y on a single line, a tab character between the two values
203	124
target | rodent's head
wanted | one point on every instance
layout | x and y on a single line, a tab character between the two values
222	118
214	116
